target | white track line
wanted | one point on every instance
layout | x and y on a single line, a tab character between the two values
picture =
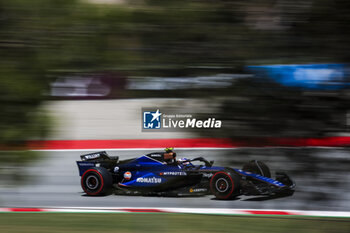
220	211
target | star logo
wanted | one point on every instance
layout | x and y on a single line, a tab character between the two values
156	115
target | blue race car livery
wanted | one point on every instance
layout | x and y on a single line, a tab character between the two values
159	173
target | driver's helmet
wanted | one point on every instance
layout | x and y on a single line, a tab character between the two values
169	149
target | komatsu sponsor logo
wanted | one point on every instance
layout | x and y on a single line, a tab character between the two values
152	180
192	123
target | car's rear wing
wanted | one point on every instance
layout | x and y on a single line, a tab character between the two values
101	155
96	159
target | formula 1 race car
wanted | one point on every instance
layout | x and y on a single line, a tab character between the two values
159	173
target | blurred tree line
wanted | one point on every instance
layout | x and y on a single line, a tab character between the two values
43	39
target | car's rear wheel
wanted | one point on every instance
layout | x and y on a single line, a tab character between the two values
225	185
96	181
257	167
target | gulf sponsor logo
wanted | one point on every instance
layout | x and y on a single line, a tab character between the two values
127	175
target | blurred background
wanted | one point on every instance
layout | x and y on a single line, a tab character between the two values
73	70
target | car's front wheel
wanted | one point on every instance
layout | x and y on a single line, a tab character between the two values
96	181
225	185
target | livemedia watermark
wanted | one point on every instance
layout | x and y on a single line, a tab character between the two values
163	120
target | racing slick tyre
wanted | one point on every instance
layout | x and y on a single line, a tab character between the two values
257	167
225	185
97	181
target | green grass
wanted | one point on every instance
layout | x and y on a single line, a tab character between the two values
64	222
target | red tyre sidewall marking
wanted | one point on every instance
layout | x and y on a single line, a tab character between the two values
232	188
82	181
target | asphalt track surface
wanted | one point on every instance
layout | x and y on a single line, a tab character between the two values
53	181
